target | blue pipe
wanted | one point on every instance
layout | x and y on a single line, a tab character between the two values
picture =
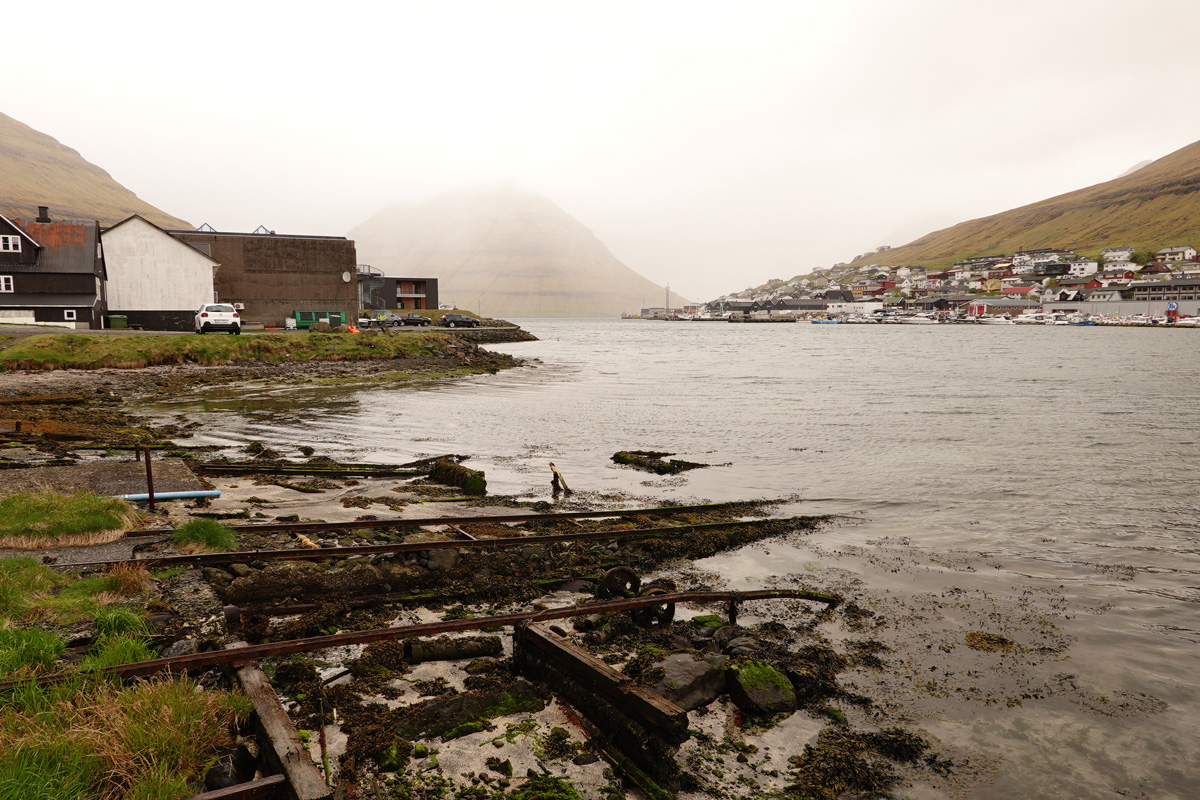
170	495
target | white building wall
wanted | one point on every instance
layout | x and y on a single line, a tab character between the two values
149	270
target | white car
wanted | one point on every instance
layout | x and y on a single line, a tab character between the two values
218	317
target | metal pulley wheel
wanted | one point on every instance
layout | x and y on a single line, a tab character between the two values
619	582
654	616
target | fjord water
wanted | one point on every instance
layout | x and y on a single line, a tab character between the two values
1048	461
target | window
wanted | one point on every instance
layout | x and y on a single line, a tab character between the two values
10	244
6	283
69	314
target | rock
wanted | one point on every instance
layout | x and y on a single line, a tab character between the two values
583	759
759	689
184	647
288	518
320	327
533	552
724	634
741	646
240	570
442	559
689	682
217	577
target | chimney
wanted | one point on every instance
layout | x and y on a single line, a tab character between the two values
43	214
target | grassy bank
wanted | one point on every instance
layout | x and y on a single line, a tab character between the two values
132	351
32	592
100	740
50	519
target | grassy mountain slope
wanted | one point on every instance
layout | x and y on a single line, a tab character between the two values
38	170
1155	206
505	254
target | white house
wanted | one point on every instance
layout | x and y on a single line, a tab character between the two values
1169	255
154	279
1083	267
1116	254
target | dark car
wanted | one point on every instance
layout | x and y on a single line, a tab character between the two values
459	321
411	319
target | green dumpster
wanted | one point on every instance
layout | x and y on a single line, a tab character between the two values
118	321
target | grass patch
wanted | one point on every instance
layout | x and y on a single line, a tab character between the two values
205	533
115	649
93	351
50	519
30	591
25	652
118	621
101	740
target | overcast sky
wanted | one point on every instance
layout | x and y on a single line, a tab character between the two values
711	145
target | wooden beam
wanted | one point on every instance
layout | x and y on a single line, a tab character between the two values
283	749
262	789
656	714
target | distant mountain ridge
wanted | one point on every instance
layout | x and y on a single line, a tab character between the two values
38	170
505	254
1154	206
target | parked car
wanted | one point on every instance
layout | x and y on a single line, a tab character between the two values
459	321
218	317
412	319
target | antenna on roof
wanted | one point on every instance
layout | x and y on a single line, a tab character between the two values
262	229
206	228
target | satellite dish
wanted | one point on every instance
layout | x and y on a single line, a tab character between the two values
346	276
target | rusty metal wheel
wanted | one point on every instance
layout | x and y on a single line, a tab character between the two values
654	616
619	582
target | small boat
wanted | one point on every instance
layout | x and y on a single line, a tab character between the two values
825	321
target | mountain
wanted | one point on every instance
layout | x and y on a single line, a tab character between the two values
1155	206
505	254
38	170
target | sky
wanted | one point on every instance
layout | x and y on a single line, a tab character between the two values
709	145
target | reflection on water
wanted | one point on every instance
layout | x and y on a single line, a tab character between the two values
1064	456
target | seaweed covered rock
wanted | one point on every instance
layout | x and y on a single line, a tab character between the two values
654	461
759	689
450	473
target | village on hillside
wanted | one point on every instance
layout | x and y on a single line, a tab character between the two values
1124	284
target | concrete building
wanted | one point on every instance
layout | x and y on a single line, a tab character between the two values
273	276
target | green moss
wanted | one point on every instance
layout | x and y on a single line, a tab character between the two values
465	729
757	675
544	787
709	620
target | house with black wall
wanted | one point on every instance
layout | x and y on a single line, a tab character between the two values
51	271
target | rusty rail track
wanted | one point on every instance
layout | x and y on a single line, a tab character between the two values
346	470
324	553
198	661
384	524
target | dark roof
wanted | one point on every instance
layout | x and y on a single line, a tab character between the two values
68	247
19	230
205	234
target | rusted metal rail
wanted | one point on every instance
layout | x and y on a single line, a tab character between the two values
323	553
344	470
377	524
199	661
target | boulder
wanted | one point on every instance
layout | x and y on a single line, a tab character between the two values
759	689
442	560
320	327
691	682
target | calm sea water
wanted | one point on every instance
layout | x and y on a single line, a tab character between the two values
1061	462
